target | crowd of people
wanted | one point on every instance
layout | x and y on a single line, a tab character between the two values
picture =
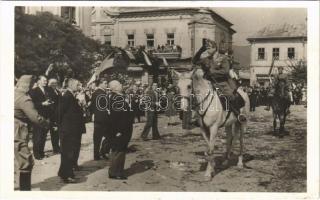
42	107
259	95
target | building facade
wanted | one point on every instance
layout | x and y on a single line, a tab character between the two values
78	16
283	45
157	27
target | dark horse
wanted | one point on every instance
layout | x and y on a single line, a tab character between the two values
280	106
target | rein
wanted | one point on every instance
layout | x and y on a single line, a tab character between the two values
206	110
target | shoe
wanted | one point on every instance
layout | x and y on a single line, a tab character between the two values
69	180
97	158
25	181
144	138
105	157
118	177
56	151
156	138
242	118
77	168
38	157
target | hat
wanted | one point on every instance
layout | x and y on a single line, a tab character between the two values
24	82
115	86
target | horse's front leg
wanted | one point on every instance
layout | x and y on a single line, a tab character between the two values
210	172
274	124
228	130
282	122
240	159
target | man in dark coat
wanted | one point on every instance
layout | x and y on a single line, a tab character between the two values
71	125
152	116
24	113
100	111
42	104
54	95
121	131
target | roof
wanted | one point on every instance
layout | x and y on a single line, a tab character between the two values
124	11
280	31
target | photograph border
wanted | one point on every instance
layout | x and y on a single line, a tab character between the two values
7	88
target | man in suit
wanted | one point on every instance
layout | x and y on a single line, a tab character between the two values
122	119
152	116
71	125
100	111
54	95
42	104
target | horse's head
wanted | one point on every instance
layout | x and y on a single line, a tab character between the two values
185	84
185	87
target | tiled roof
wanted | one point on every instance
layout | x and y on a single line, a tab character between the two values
281	31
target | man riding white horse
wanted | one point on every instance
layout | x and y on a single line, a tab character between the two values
218	70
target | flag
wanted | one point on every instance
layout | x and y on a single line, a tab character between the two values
146	58
165	61
92	79
106	64
271	67
130	55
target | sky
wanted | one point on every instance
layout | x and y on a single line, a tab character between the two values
247	21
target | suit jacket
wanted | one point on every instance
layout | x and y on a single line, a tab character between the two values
153	97
99	106
38	97
69	114
54	96
122	124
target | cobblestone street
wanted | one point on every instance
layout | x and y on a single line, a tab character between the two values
176	163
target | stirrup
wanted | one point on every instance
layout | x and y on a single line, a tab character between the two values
241	118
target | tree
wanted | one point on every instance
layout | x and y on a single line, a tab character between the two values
44	39
298	70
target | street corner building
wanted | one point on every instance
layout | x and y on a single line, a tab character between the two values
278	45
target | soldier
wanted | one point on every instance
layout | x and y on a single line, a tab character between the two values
24	113
217	69
280	78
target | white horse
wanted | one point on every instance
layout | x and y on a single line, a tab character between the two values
212	116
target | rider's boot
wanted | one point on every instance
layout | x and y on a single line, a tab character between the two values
236	103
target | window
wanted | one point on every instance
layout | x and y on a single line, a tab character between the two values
170	38
261	54
150	40
69	14
275	53
291	53
107	39
131	40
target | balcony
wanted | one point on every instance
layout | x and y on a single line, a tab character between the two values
168	52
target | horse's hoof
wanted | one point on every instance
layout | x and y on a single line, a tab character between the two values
240	165
208	177
225	163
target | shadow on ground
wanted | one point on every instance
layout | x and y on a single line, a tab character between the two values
55	183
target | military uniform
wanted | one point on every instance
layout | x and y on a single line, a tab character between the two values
217	70
24	113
